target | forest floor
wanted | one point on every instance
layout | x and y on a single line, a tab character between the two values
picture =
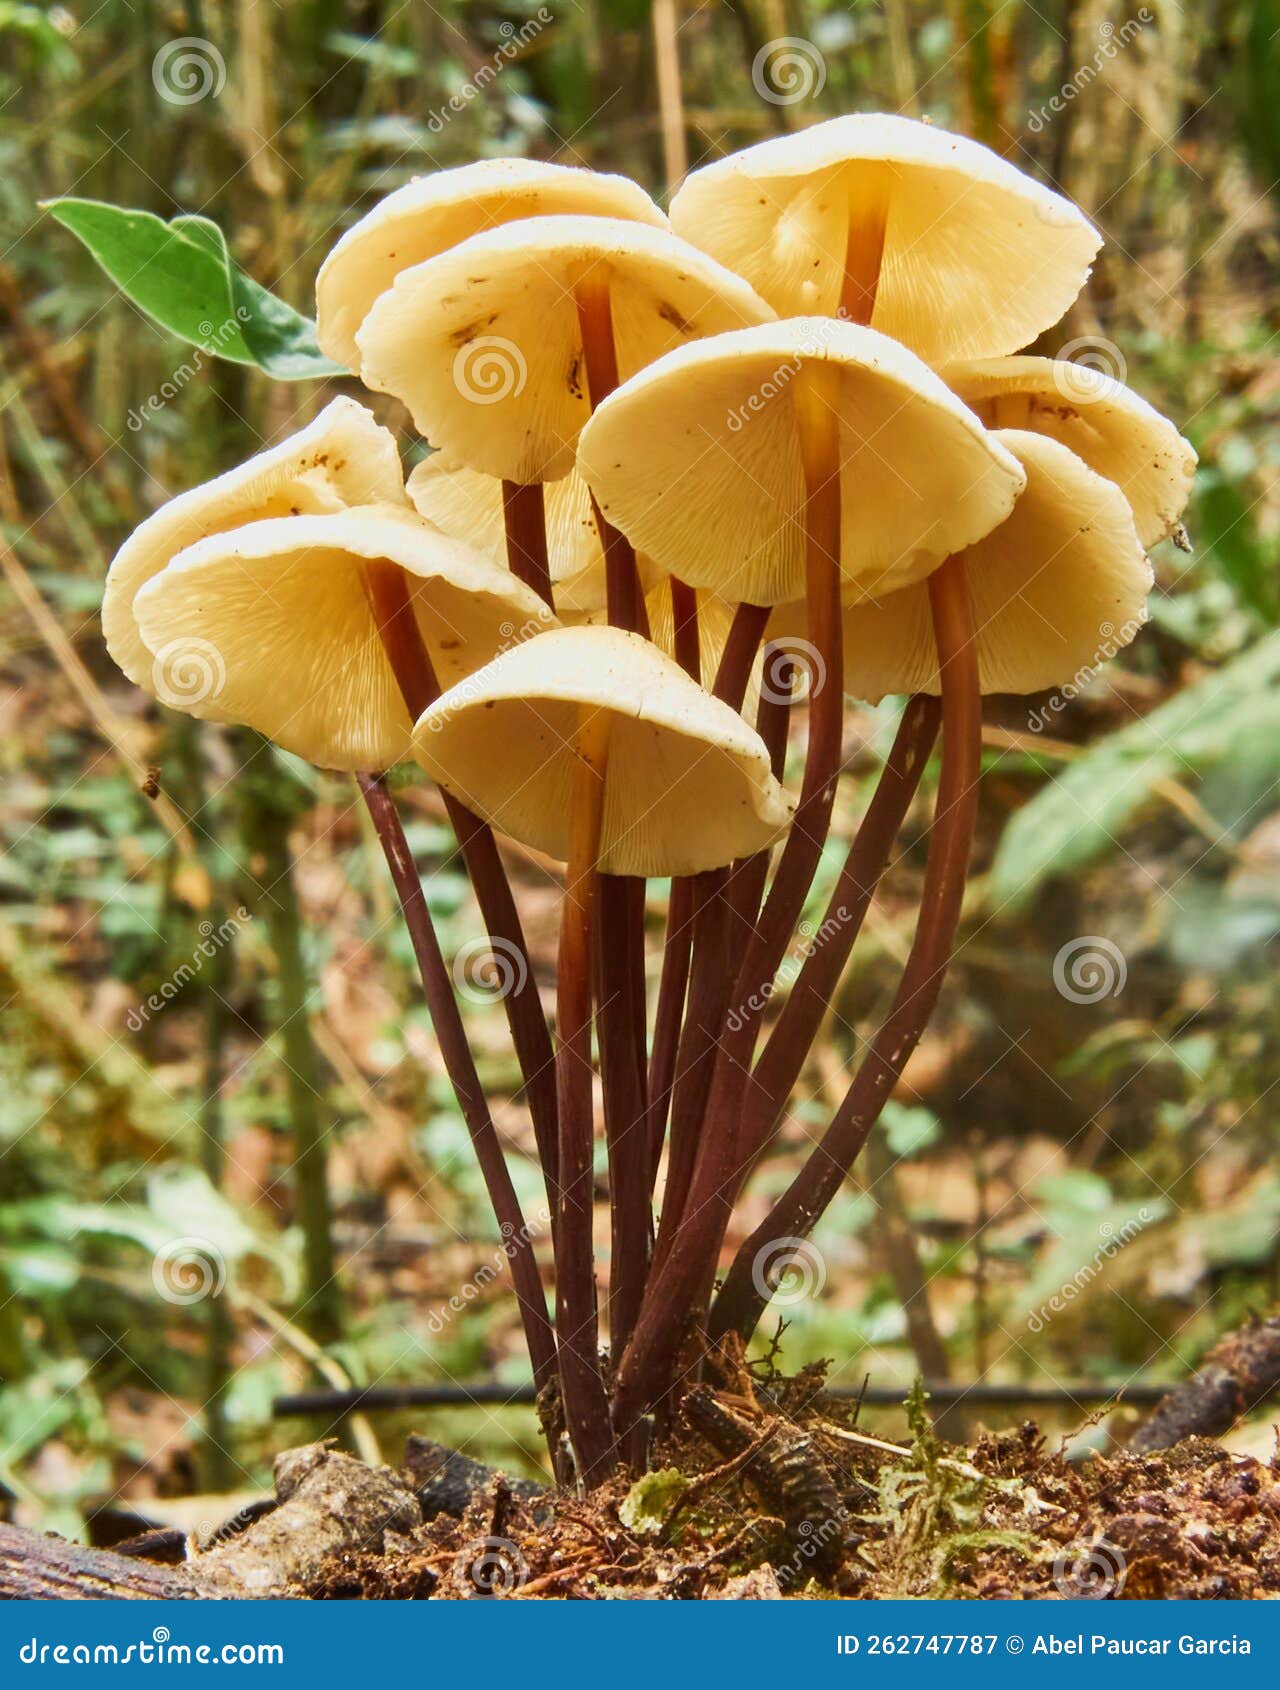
760	1489
757	1496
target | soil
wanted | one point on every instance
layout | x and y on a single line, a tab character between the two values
761	1488
770	1495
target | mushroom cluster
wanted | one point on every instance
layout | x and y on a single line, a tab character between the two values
694	480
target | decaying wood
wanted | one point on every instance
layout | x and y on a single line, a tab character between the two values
788	1472
1236	1375
448	1482
50	1569
330	1503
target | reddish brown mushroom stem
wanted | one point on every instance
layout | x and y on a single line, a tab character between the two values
721	907
684	619
577	1326
742	1300
524	515
677	944
388	594
446	1019
624	1083
623	1033
682	1274
792	1035
600	358
668	1018
710	919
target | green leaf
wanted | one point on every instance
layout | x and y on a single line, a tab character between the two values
910	1130
647	1504
183	276
1079	815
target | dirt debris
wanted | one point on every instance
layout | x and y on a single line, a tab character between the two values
1009	1518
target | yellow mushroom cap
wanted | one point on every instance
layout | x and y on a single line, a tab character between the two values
467	504
341	458
688	785
1116	433
483	343
433	213
1056	590
697	460
978	258
270	625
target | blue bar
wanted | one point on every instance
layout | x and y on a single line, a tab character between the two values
649	1645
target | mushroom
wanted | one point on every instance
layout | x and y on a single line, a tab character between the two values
471	506
428	216
1057	589
928	236
699	461
501	346
590	744
342	458
284	624
1117	433
811	451
672	612
688	783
